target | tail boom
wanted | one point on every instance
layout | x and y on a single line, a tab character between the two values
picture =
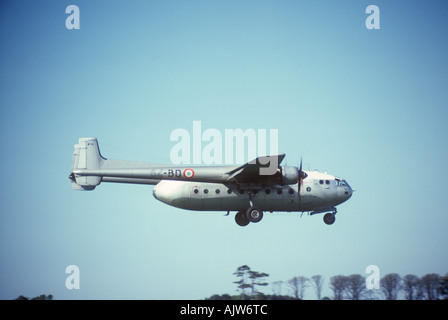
90	168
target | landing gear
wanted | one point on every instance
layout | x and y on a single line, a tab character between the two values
329	218
253	214
241	219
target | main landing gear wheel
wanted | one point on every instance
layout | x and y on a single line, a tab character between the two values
254	214
329	218
241	219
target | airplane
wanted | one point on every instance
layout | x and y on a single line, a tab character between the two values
239	188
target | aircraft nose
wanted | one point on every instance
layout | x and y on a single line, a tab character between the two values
345	192
349	193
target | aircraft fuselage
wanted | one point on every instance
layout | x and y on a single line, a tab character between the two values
259	185
319	191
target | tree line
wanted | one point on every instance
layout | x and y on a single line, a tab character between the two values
41	297
249	283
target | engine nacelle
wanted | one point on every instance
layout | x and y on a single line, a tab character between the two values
290	175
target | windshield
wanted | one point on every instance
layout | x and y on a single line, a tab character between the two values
342	183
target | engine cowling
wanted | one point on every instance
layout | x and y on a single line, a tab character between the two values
290	175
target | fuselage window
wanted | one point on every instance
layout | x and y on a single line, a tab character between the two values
327	181
308	189
268	191
229	191
279	191
205	191
196	191
321	181
291	191
217	191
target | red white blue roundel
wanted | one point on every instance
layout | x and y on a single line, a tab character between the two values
188	173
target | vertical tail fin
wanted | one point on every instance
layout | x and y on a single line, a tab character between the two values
86	156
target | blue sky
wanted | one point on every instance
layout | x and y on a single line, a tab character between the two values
367	105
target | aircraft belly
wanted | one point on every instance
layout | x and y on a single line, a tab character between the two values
236	202
218	197
307	202
221	203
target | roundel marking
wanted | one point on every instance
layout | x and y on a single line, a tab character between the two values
188	173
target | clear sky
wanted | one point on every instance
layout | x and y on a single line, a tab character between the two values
367	105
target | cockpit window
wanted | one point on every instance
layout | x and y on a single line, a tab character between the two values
342	183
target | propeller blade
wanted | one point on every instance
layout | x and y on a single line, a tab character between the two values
300	182
302	175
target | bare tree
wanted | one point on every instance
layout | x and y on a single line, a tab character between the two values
443	289
338	284
391	285
294	286
431	284
277	288
412	287
298	286
355	285
303	284
317	282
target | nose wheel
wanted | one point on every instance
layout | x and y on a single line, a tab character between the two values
329	218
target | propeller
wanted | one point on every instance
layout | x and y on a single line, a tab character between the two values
302	175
